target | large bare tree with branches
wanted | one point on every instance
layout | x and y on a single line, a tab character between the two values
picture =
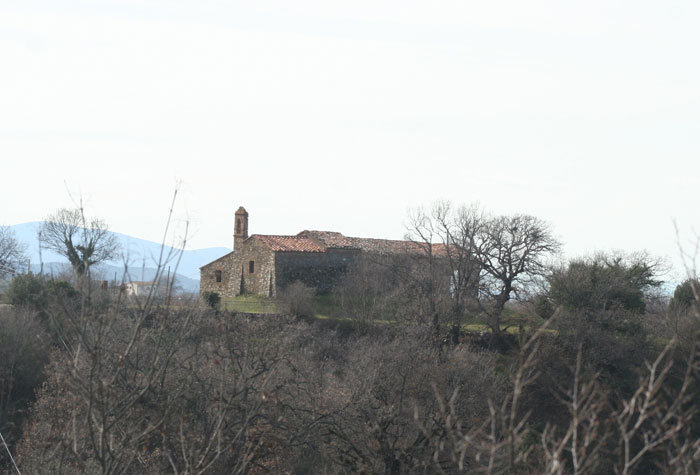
83	241
491	258
512	252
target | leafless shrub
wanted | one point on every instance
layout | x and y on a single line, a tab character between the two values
580	442
23	353
389	288
182	393
144	386
296	300
12	252
498	442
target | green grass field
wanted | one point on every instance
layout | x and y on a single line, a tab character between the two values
326	308
249	304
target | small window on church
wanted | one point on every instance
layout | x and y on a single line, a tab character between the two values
217	275
238	226
251	267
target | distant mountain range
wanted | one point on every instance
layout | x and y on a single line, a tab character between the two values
141	258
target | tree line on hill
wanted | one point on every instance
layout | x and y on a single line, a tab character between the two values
599	376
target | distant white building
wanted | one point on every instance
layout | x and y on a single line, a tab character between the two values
144	288
139	289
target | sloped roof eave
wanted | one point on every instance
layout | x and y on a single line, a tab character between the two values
216	260
280	243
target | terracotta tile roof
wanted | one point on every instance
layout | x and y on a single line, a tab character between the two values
336	240
290	243
386	246
329	239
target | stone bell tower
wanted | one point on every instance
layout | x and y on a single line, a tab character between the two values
240	233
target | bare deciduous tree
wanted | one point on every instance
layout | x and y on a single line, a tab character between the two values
11	251
458	231
84	242
423	230
511	251
501	255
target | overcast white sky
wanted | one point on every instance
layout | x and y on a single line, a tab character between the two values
341	115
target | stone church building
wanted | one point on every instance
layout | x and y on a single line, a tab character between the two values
264	264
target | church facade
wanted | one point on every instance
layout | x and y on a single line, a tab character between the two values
264	264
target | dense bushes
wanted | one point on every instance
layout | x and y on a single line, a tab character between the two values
606	282
27	290
27	337
181	395
24	351
150	388
212	299
43	295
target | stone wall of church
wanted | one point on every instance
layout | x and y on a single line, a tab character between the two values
254	269
320	270
217	277
234	274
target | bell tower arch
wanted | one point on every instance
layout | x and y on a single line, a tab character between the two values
240	232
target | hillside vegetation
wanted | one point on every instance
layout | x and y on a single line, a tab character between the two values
93	383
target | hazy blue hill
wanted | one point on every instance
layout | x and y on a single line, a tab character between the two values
110	273
141	257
